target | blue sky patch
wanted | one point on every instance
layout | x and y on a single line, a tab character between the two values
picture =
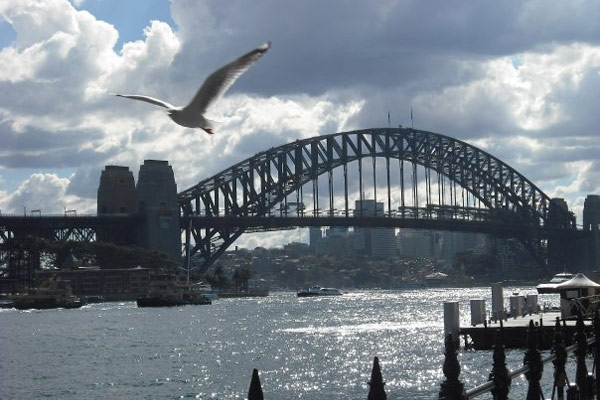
7	34
130	17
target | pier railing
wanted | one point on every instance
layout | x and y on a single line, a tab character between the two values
587	306
583	386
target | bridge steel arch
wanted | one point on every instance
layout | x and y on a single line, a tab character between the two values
217	210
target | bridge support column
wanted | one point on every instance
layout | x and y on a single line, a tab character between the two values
157	202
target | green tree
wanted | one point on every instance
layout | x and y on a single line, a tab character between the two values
218	279
241	275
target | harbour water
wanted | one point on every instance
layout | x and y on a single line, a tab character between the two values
304	348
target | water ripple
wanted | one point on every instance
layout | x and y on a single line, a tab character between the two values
304	348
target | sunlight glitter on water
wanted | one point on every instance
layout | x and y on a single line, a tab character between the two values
304	348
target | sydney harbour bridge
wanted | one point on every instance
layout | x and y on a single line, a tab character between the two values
423	180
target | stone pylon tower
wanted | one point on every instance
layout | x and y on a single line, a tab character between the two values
116	195
116	192
157	203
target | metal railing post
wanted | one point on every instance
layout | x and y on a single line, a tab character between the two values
533	360
255	392
499	374
581	375
452	388
376	391
560	374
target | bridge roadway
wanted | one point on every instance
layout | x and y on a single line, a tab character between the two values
256	223
115	228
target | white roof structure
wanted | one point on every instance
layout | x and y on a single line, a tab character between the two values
439	275
579	281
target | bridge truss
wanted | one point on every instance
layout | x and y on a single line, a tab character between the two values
423	179
19	253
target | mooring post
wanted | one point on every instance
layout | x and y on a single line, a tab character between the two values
255	392
452	388
376	391
533	360
499	372
560	374
581	375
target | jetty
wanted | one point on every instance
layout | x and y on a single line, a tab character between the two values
578	295
514	331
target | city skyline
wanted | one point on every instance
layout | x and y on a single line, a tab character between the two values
517	79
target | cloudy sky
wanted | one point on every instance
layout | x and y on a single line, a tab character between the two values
520	79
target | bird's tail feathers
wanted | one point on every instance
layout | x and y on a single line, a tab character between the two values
210	124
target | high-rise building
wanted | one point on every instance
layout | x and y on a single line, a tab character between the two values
315	239
379	242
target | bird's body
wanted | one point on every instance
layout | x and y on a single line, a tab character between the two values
217	83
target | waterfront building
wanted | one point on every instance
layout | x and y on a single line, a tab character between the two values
117	284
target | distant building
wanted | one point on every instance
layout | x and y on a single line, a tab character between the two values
442	245
117	284
415	243
296	249
315	237
379	242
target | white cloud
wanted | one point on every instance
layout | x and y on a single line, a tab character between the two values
493	78
45	192
509	98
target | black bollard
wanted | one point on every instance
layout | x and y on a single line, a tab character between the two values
499	372
255	392
376	391
560	374
533	360
452	388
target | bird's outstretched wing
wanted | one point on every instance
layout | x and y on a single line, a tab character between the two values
219	81
147	99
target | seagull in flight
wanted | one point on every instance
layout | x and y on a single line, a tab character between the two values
217	83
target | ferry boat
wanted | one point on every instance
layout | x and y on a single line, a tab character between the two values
319	291
171	294
54	293
551	287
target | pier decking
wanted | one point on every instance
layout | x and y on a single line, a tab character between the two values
514	331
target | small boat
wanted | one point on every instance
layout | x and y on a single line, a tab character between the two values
319	291
551	287
94	299
171	294
206	290
54	293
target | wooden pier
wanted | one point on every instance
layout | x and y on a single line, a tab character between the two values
514	331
